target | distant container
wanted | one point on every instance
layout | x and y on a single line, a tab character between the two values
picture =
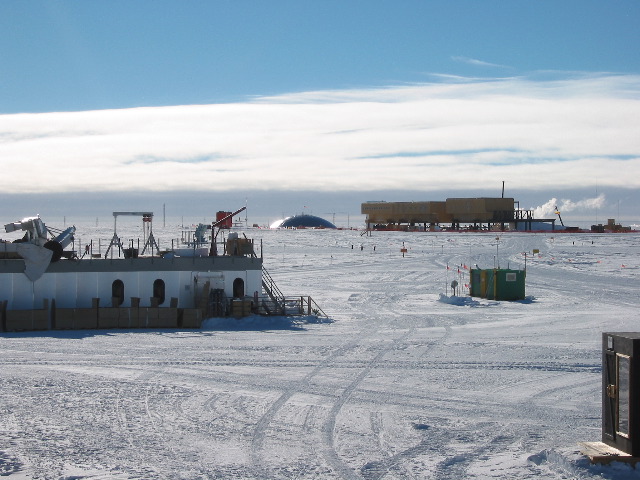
621	391
228	222
497	283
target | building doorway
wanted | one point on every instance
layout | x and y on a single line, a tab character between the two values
238	288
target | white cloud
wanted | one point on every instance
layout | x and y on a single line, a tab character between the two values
476	62
559	133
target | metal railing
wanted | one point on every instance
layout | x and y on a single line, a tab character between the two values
277	303
274	293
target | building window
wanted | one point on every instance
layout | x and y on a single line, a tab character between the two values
158	290
117	292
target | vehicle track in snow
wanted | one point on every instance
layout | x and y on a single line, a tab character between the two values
260	430
330	450
330	432
362	366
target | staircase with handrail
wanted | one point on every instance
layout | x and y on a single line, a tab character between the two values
279	304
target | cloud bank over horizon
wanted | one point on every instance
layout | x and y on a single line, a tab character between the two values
563	132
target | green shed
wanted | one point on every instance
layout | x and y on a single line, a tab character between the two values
497	283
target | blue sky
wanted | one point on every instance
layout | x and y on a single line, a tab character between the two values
85	55
429	98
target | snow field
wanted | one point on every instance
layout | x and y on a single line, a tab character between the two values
399	385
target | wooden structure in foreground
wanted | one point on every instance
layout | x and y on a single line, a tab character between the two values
599	452
620	401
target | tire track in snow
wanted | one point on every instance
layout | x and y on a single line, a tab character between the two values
142	425
455	467
569	385
335	360
304	385
262	425
122	418
329	449
378	469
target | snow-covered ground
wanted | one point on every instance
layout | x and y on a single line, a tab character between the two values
399	385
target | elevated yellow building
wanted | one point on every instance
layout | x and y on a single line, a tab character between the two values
476	212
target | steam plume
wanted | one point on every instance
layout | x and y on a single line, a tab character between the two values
565	205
